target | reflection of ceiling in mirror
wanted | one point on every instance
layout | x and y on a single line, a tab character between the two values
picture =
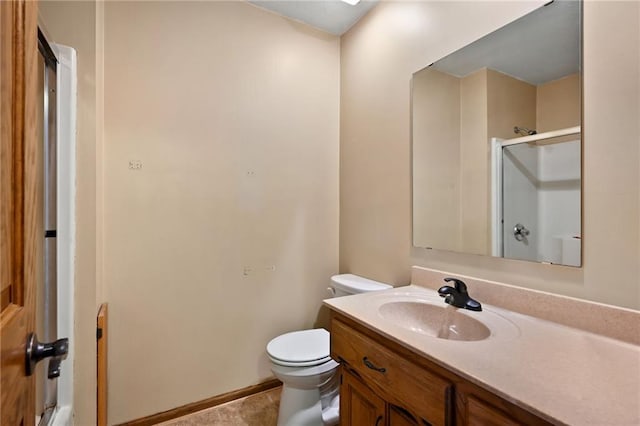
333	16
539	47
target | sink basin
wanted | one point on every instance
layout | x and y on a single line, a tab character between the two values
444	322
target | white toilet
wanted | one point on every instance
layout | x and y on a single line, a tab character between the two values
300	359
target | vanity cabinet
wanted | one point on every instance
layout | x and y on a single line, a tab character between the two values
410	394
383	383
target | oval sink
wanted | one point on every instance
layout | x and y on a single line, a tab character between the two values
444	322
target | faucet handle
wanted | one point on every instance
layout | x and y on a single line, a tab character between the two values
460	286
445	290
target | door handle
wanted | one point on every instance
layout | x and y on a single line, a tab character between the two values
520	232
37	351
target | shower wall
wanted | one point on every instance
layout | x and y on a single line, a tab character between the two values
541	191
559	203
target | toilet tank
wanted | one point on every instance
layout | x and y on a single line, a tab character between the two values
346	284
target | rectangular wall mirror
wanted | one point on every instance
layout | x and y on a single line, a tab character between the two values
496	142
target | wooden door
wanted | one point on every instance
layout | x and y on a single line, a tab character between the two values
21	227
359	406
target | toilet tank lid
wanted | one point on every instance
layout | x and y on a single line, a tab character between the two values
351	283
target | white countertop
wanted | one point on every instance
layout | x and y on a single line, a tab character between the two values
565	375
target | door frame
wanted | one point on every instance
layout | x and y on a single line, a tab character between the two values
66	119
496	197
67	107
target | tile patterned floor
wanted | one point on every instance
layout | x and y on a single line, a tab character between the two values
260	409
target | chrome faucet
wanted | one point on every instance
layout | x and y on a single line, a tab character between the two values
457	296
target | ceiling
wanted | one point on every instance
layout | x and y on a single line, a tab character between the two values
332	16
539	47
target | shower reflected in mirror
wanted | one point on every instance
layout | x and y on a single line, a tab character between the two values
496	142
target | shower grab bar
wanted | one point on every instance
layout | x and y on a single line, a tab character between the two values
542	136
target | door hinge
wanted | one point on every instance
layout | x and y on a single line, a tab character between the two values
98	333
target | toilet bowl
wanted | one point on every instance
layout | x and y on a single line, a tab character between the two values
301	360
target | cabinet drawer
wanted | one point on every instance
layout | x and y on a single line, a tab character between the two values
397	379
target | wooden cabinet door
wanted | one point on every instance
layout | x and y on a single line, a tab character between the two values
359	406
477	407
482	414
21	227
399	417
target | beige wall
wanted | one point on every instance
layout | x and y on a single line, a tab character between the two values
436	159
228	234
558	104
474	194
510	102
611	189
74	24
398	38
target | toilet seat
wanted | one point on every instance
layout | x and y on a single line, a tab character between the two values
299	364
300	348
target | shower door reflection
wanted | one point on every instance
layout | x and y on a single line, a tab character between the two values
536	192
